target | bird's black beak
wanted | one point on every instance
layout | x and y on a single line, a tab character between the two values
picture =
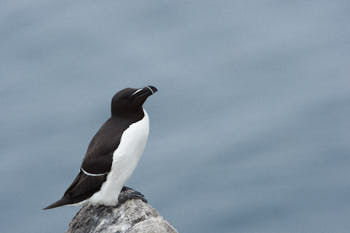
142	94
152	89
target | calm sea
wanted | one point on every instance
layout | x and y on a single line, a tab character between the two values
249	130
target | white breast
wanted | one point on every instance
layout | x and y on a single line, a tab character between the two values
125	159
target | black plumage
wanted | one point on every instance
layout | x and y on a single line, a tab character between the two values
126	108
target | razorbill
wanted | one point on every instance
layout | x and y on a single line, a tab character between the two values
113	152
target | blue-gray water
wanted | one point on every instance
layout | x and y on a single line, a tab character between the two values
249	130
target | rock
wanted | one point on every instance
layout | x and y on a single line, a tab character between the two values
132	216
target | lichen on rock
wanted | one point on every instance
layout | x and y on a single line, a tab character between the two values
133	216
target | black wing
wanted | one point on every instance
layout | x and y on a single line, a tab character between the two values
99	156
82	188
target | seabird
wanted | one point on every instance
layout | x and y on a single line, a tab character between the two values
113	152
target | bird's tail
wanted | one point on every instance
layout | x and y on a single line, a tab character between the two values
63	201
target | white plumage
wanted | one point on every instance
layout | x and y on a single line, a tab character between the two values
125	159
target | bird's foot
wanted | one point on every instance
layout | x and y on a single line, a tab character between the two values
129	194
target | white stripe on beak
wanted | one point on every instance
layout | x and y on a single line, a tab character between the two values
150	90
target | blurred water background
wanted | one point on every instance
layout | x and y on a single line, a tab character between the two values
249	129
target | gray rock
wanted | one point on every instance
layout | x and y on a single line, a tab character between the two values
133	216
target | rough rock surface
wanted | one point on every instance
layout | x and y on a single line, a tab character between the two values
133	216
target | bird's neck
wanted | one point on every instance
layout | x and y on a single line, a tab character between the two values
129	115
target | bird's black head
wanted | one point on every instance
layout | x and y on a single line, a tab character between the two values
130	100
